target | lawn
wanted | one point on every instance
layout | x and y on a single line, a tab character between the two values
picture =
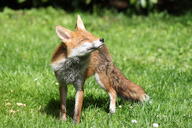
154	52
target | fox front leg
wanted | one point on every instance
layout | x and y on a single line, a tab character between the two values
78	106
78	101
63	97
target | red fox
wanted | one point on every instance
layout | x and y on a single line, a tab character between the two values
81	55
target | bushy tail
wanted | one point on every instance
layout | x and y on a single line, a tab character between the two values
127	89
131	91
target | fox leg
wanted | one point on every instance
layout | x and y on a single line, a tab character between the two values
63	97
112	95
78	101
103	81
78	106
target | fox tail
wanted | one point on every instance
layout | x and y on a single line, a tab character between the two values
126	88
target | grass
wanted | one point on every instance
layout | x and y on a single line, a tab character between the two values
154	52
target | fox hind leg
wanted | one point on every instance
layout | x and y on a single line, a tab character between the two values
112	95
103	81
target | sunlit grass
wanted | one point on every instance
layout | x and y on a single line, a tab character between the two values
154	52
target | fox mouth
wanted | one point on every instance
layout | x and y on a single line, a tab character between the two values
100	46
95	48
92	49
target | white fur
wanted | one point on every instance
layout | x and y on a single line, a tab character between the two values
97	43
85	48
99	81
112	105
145	98
81	50
57	65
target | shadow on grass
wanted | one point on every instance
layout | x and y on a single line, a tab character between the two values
53	107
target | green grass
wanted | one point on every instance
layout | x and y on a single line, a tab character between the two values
154	52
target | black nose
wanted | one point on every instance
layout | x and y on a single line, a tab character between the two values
102	40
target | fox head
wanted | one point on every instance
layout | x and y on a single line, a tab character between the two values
79	42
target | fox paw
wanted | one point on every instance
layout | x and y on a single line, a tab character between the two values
62	117
112	110
144	98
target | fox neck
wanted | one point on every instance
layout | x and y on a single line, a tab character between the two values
81	61
72	69
78	59
61	58
76	56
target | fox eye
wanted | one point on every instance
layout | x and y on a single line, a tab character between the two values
85	39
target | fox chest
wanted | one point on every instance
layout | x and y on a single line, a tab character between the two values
71	70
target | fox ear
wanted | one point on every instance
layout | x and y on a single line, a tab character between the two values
80	24
63	33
